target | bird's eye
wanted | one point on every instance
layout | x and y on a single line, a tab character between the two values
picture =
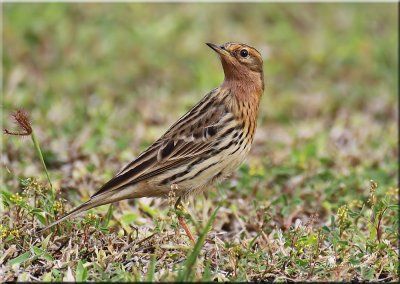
244	53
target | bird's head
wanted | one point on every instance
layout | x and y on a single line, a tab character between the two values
241	62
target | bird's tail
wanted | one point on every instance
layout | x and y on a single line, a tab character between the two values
85	206
105	198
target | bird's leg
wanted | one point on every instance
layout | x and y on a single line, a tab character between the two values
181	219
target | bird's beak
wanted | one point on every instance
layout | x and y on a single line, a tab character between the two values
218	49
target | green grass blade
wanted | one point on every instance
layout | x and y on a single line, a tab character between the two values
187	272
151	269
20	259
39	152
108	216
81	272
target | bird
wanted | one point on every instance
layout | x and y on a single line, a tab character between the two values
202	147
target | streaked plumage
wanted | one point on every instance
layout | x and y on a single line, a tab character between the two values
205	145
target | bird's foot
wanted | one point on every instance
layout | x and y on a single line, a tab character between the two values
182	222
179	210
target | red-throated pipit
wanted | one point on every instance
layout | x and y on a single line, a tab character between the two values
205	145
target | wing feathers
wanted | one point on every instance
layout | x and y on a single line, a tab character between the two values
197	131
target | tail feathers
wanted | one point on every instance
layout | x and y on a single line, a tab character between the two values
101	199
91	203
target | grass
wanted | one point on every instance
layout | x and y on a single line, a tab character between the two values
317	199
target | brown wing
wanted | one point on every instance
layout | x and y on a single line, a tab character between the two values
191	136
